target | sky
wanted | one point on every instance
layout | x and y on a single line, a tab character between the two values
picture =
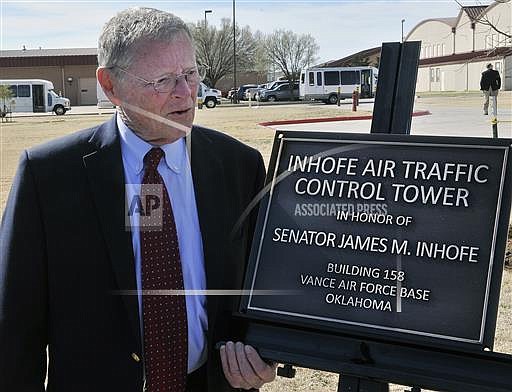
340	27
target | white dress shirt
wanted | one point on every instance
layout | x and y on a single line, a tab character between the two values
177	175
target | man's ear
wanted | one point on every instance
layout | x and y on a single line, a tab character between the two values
108	85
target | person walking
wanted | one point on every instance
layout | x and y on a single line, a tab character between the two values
490	83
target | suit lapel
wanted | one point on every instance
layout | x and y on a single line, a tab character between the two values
209	188
106	176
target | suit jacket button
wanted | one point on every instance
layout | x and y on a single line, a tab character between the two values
135	357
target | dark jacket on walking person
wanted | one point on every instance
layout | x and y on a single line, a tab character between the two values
490	79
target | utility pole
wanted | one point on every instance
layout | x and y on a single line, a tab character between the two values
206	12
235	94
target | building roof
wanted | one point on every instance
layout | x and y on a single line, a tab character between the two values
49	52
452	22
346	60
479	55
474	11
48	57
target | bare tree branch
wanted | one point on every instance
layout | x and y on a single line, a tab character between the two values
290	52
493	25
484	20
214	48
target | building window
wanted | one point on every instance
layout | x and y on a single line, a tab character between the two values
443	48
488	41
350	77
435	75
332	78
24	90
319	78
502	40
497	66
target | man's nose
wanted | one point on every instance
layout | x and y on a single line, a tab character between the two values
182	89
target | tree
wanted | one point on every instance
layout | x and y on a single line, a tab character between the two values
290	52
214	48
5	95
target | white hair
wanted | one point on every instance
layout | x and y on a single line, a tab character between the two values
121	35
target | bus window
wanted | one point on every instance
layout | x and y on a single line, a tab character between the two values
350	77
332	78
319	78
24	90
302	78
311	78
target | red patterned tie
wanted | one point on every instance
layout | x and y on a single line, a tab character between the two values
164	316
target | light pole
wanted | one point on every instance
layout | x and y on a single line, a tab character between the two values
403	20
235	95
206	12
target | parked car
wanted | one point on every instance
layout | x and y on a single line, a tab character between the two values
230	93
266	86
242	89
275	83
281	92
252	91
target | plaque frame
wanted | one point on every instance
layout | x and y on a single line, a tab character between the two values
360	350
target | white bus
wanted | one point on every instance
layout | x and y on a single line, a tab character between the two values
322	83
34	95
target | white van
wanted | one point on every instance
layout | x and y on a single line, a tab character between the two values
34	95
322	83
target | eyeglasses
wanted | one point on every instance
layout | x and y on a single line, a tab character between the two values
166	84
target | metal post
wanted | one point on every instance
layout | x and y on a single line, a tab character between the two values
494	123
403	20
235	95
206	12
394	99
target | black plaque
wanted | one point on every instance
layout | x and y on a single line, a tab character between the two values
383	236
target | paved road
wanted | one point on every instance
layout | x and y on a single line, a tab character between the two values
450	116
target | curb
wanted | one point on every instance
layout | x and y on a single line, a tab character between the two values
331	119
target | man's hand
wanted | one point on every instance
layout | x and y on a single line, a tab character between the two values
244	368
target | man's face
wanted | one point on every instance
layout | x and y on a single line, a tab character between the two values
144	107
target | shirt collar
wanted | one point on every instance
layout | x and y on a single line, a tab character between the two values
135	149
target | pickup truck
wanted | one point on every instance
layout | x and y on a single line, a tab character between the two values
209	97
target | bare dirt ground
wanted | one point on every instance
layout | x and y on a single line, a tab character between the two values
241	123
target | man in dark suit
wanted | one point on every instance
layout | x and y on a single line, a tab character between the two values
83	273
490	83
